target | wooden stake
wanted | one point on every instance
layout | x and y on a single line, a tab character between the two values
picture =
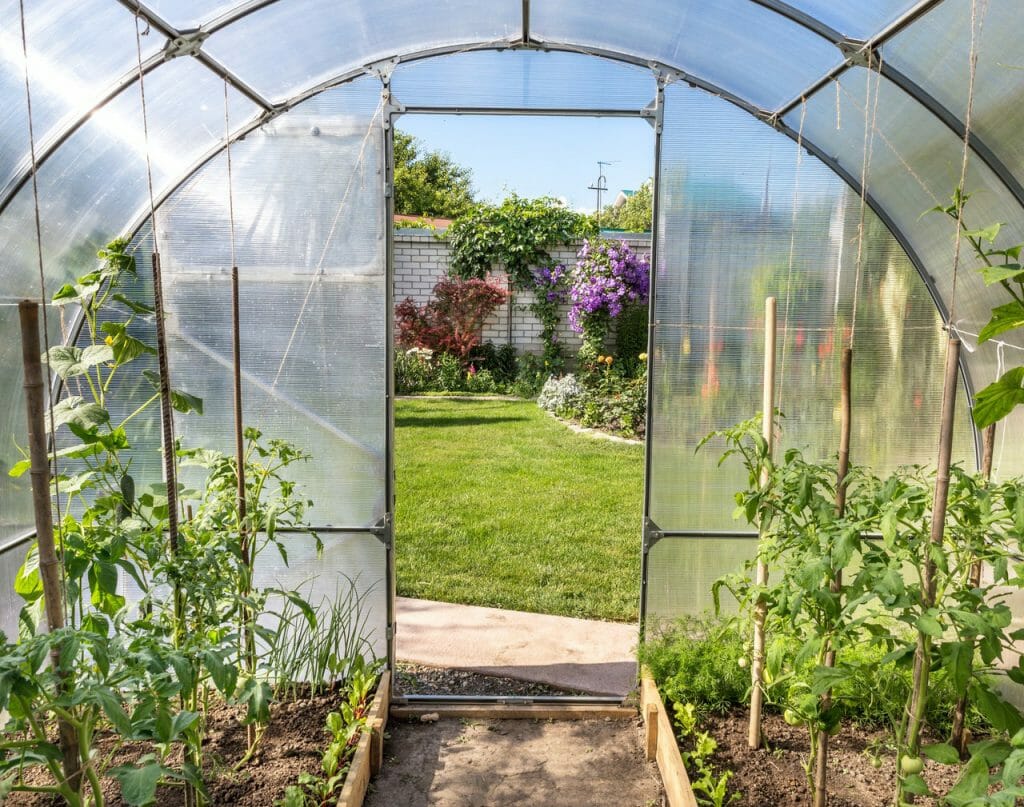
761	607
922	654
845	406
49	564
957	737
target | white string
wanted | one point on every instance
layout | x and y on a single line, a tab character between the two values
781	375
43	296
231	195
976	26
145	124
870	127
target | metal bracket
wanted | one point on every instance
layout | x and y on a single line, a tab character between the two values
382	530
652	534
771	118
383	69
665	75
391	108
859	53
188	44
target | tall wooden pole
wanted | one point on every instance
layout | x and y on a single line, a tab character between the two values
761	606
845	407
958	737
49	564
922	654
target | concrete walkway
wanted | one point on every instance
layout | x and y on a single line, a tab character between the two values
582	654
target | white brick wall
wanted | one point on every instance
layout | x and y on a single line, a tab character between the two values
421	260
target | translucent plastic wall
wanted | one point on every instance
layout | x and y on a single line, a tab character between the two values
742	217
308	199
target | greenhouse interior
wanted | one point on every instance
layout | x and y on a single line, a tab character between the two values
860	162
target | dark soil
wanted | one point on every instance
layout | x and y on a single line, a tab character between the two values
293	744
419	679
775	777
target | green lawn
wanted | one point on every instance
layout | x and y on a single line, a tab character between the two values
500	505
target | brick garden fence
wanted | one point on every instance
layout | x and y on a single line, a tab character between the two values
421	259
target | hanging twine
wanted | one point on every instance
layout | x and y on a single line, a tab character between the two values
166	412
43	297
977	23
792	250
231	194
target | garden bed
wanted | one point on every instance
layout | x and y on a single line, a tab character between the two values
774	776
293	745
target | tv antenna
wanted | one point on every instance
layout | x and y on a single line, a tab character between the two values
600	186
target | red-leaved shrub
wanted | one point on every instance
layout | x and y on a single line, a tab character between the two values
451	321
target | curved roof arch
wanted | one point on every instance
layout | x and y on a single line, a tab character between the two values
192	41
733	49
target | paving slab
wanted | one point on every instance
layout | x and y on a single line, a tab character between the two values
581	654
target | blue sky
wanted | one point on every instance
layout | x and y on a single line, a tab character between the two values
541	156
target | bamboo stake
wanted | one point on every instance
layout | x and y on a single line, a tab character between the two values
922	654
248	639
845	406
761	607
49	565
958	738
236	350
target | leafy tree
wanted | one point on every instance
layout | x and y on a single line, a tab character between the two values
429	183
517	233
636	213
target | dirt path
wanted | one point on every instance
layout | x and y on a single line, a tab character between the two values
525	763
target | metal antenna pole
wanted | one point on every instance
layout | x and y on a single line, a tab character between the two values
600	185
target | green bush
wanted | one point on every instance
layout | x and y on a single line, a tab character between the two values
697	660
631	339
450	374
413	372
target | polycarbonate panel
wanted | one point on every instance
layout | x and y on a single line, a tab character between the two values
915	164
347	561
309	215
93	187
856	20
11	558
681	572
935	52
287	47
348	567
737	45
16	515
77	51
189	14
523	79
728	187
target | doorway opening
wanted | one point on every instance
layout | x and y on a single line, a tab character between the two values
517	528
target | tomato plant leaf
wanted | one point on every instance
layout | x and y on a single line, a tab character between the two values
138	784
943	753
999	274
1005	318
913	783
972	784
999	398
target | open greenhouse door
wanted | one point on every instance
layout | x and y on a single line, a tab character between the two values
308	236
514	580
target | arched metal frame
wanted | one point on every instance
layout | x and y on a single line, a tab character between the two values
189	42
